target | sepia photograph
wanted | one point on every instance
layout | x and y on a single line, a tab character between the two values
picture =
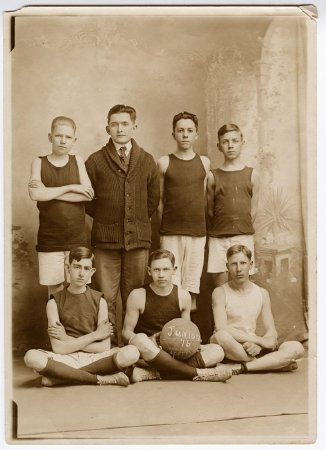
160	224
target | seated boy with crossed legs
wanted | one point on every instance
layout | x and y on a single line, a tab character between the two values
79	333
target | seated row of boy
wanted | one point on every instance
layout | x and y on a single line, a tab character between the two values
80	332
122	188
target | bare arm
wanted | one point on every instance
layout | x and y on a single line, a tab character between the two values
207	164
269	340
135	307
64	344
210	195
184	303
255	193
221	322
162	165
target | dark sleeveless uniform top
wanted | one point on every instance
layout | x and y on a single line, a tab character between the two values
78	313
184	199
232	203
62	224
159	309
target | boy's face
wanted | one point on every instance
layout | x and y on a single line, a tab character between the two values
161	271
62	138
231	145
80	271
185	134
121	128
238	266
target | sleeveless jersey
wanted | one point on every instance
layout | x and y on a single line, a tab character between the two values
159	309
242	310
184	199
232	203
62	224
78	313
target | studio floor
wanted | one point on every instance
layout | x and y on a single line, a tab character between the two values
255	408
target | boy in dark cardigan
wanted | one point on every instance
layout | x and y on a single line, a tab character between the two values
126	194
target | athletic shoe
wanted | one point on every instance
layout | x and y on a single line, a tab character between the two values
140	374
118	378
220	373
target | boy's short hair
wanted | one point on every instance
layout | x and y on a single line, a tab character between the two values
79	253
226	128
63	120
185	115
238	248
122	109
161	254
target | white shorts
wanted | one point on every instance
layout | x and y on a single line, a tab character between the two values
52	267
189	254
79	359
217	248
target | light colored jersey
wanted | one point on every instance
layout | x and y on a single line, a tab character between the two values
242	310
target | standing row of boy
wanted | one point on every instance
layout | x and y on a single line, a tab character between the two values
122	187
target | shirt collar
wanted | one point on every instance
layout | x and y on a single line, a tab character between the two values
128	146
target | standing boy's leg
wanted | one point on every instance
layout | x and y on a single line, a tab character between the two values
217	248
52	270
107	276
133	272
193	263
176	246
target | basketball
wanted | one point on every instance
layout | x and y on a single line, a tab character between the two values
181	338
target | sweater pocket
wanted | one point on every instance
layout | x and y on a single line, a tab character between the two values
103	232
144	231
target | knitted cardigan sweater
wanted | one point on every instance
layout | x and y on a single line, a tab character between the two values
125	198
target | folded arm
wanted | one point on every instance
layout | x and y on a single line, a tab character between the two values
70	193
63	344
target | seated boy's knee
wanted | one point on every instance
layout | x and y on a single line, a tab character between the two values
297	349
142	342
127	356
294	348
35	360
213	354
221	337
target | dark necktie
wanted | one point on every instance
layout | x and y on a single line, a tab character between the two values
122	155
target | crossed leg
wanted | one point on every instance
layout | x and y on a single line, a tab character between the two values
282	358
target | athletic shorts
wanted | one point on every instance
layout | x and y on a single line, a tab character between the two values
80	359
189	254
217	248
52	267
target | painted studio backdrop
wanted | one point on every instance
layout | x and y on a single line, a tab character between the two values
247	70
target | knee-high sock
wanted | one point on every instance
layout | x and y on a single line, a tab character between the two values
62	371
103	366
164	362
